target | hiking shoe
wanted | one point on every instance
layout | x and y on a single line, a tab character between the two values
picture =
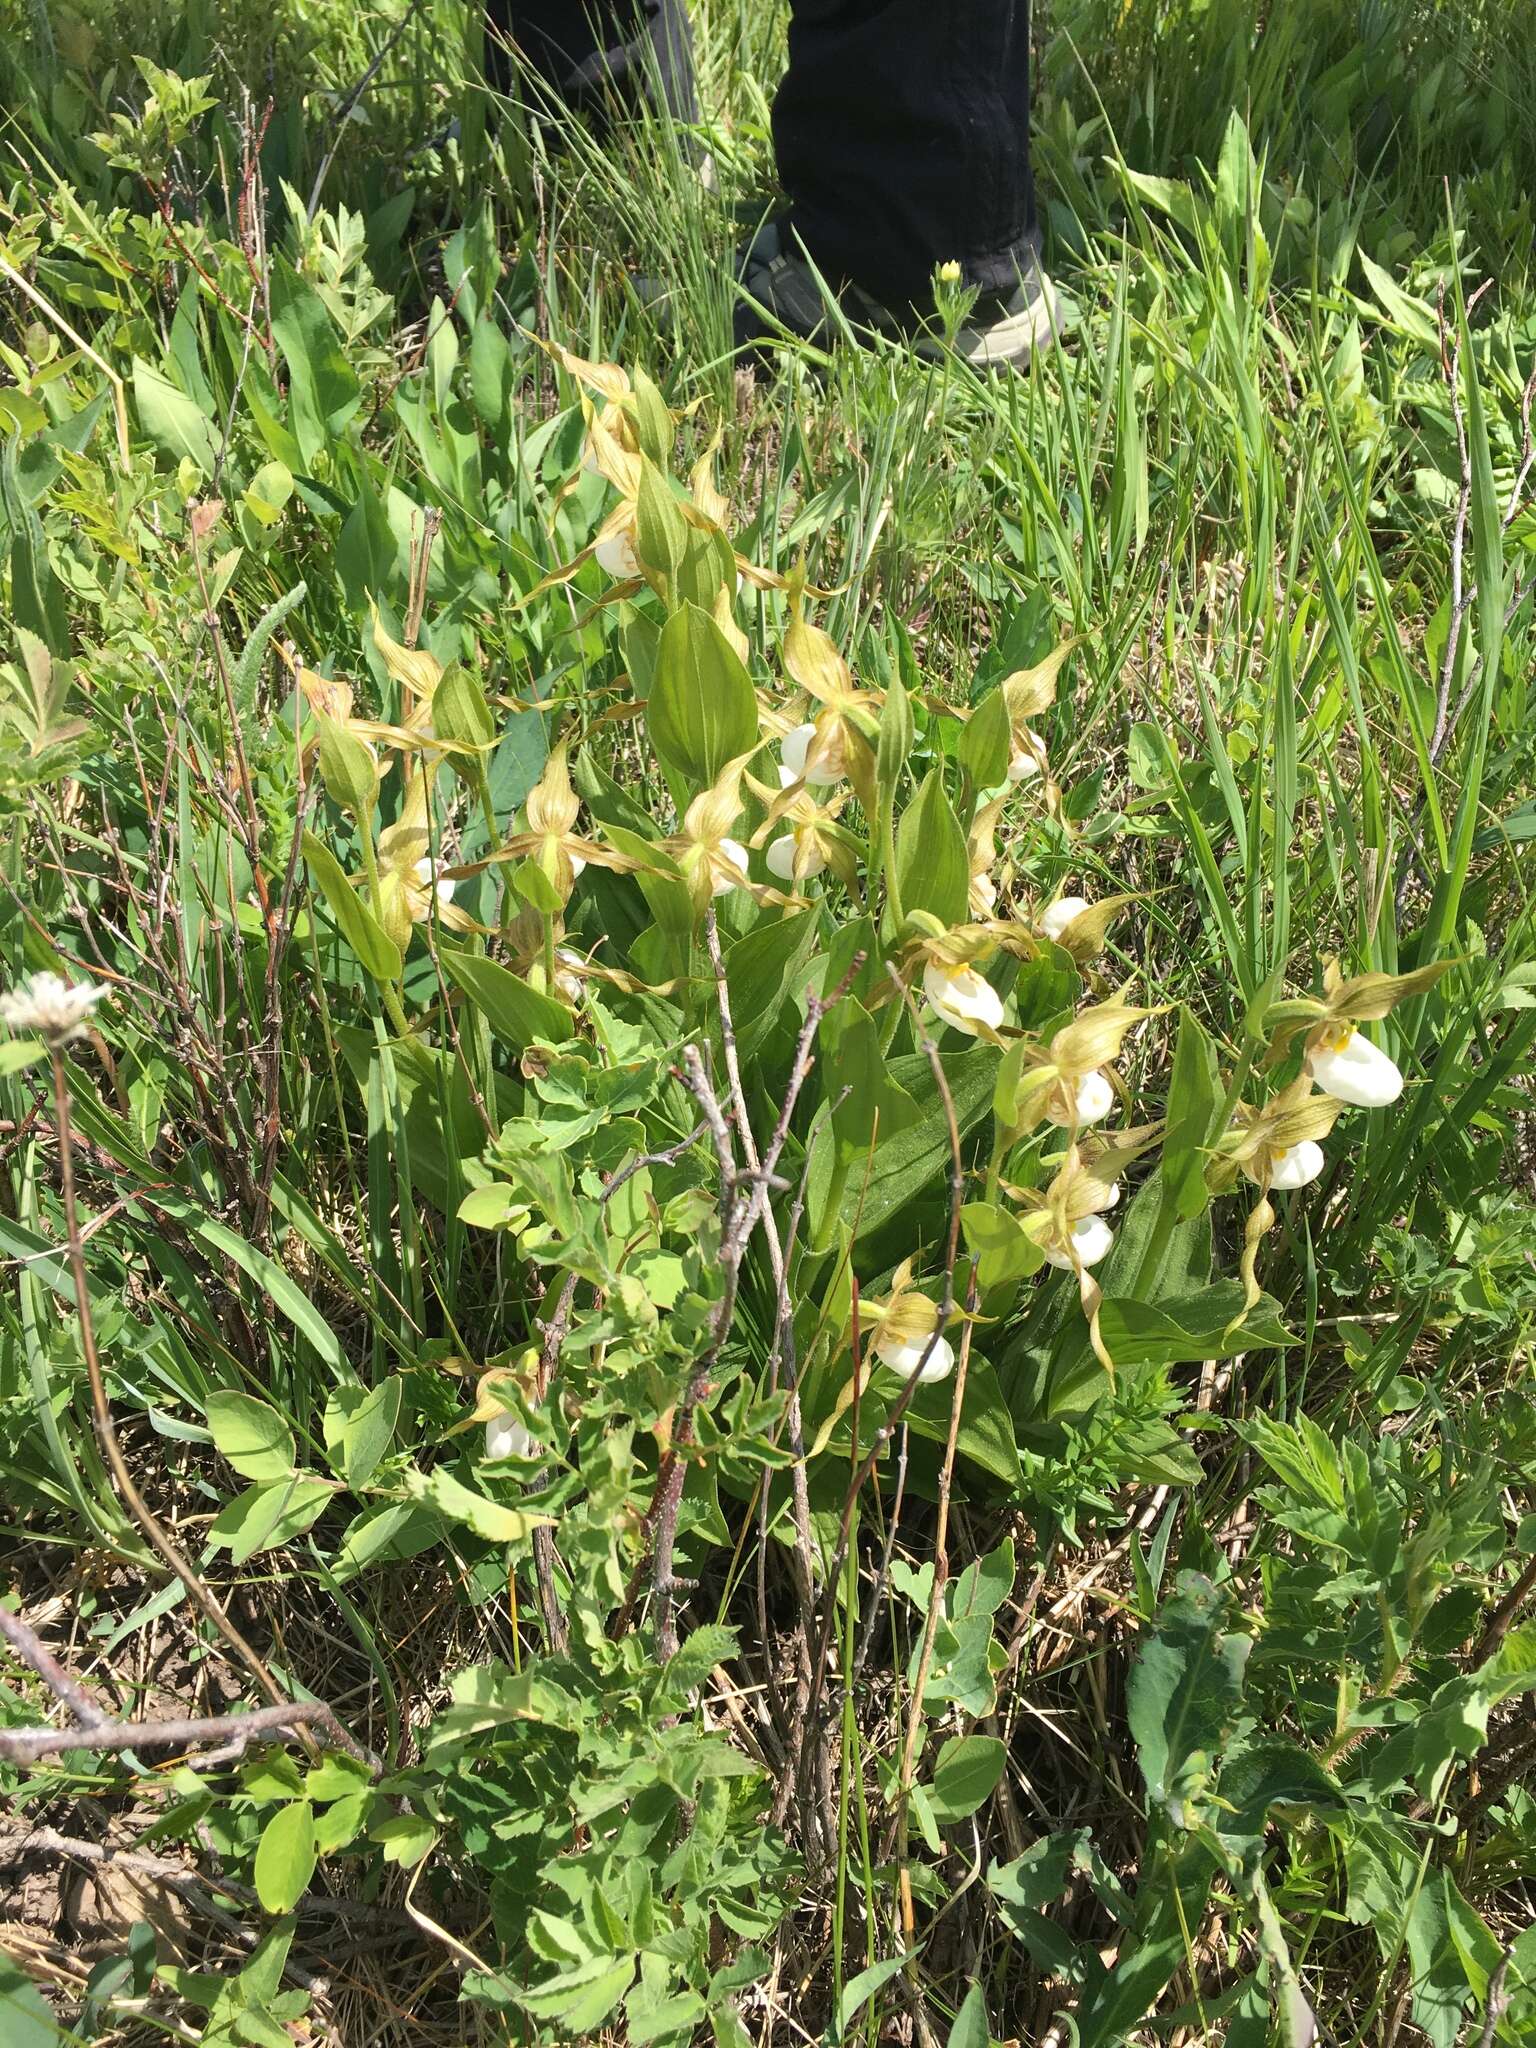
998	333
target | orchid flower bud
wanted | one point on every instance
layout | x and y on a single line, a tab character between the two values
1057	916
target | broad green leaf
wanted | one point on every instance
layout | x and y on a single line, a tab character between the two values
913	1158
933	870
171	420
986	1427
966	1774
404	1837
493	1208
580	1999
367	553
375	949
1190	1328
868	1105
661	533
1195	1098
986	742
456	1502
323	389
1185	1692
1004	1251
460	711
359	1428
1412	316
1035	1881
1166	194
342	1821
285	1857
20	1053
672	2018
25	2021
702	711
279	1286
251	1434
399	1529
859	1990
761	971
970	2028
264	1516
517	1013
985	1583
893	749
268	492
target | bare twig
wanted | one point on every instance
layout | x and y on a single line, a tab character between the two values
26	1745
1498	2000
744	1194
343	114
1498	1623
32	1650
805	1554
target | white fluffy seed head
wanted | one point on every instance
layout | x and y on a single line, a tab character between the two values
56	1010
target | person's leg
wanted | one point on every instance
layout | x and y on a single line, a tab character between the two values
588	54
902	130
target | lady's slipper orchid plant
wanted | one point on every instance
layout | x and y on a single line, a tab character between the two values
1070	1080
907	1340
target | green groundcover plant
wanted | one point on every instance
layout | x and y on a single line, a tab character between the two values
768	1277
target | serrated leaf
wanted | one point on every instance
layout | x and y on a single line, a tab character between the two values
690	1665
580	1999
1185	1692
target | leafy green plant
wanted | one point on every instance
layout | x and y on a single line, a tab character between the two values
791	1103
